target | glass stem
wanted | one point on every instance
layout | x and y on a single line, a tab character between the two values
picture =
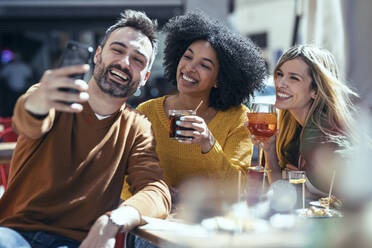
263	181
303	195
260	155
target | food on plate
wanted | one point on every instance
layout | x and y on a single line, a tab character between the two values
331	202
320	212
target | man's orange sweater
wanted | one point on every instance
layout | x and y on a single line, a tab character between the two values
68	169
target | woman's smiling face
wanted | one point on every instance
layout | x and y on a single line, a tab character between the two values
293	87
198	69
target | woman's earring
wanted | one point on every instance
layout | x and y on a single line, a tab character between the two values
215	85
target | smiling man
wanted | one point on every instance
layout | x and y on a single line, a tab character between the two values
123	78
71	158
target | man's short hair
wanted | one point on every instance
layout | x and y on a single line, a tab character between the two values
139	21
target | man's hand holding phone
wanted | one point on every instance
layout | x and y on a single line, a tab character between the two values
63	88
49	95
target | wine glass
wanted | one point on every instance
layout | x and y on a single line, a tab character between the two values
262	124
297	177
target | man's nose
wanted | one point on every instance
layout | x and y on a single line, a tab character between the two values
124	61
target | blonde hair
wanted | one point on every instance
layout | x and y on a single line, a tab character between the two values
331	109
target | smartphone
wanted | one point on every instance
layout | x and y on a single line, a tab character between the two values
76	53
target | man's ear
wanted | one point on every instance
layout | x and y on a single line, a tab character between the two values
145	79
98	52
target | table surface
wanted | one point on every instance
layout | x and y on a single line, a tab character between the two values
166	234
6	151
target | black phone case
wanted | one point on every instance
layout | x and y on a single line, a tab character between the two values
75	53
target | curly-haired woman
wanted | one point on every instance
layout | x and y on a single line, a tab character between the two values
210	63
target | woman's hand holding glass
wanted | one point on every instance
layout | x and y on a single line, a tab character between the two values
199	135
267	145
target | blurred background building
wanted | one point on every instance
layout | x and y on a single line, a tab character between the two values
37	30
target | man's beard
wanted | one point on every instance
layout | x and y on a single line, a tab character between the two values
110	87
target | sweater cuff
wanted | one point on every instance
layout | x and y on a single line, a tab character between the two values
26	123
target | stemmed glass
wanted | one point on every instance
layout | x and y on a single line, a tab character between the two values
262	122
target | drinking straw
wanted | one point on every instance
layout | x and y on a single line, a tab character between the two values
331	187
239	185
198	106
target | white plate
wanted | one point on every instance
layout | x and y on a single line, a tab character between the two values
316	204
307	213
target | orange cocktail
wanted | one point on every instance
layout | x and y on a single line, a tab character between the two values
262	125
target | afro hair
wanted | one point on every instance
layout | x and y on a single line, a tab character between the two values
242	66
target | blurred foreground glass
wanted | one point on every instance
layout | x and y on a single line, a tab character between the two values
282	196
201	198
262	122
175	116
253	195
298	177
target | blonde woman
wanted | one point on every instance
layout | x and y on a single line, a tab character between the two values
314	116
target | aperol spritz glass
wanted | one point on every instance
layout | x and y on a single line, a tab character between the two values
262	123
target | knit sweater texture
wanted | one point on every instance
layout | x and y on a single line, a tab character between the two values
68	169
180	162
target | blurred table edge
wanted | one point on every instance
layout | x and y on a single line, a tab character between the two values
161	232
6	152
168	233
157	238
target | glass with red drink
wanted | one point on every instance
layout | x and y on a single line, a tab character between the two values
262	123
174	116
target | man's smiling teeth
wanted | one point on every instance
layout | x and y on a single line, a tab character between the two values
122	76
282	95
188	79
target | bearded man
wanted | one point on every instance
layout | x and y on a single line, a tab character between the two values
74	150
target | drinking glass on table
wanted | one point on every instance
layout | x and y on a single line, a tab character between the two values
298	177
262	122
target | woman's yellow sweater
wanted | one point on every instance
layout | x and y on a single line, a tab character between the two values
232	149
